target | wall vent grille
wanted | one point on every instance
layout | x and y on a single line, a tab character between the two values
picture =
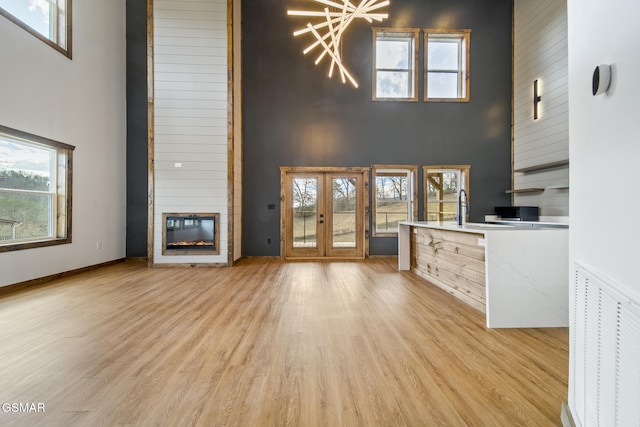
604	383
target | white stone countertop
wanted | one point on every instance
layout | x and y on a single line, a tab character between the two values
467	227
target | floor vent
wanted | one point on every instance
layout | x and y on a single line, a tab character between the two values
604	383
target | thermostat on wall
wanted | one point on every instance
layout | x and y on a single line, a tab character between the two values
601	79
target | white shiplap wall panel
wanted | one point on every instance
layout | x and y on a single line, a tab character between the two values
205	186
193	122
186	42
190	116
191	50
181	77
545	148
191	94
193	60
196	171
189	5
194	153
204	201
189	112
540	53
193	144
191	86
181	104
170	34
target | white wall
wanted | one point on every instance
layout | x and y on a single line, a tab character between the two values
604	136
79	102
190	113
540	53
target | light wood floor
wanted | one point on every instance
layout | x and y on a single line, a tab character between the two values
269	343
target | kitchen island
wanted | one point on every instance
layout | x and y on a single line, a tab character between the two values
517	276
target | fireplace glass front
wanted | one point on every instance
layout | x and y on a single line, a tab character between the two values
190	234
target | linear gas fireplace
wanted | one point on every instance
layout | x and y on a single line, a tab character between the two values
190	234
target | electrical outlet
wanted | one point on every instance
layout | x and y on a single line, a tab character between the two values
98	245
268	241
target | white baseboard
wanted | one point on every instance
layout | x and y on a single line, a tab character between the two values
566	417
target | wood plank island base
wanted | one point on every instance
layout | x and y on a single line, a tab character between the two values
517	276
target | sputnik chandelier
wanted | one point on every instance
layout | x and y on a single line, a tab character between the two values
334	25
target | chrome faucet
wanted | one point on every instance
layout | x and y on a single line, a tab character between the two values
460	213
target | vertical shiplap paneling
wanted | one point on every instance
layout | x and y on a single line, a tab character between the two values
190	72
540	53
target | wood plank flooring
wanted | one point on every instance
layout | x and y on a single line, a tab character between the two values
270	343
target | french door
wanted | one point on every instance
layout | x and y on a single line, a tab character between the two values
324	212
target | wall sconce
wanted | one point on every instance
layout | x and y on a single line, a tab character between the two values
536	100
333	24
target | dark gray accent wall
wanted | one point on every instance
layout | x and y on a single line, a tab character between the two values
136	128
294	115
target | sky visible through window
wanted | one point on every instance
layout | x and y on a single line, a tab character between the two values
443	58
393	55
34	13
443	55
18	157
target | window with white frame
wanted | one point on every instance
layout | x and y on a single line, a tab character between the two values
442	185
48	20
394	188
395	77
446	64
35	191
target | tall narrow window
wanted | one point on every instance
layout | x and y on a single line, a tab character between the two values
48	20
394	57
442	184
395	189
35	191
446	64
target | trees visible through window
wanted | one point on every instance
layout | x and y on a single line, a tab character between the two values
394	188
344	207
446	64
35	191
49	20
305	211
395	57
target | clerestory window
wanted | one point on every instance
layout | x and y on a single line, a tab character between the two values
48	20
395	53
446	65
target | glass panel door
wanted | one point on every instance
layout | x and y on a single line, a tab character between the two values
324	214
345	225
304	223
343	233
305	212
